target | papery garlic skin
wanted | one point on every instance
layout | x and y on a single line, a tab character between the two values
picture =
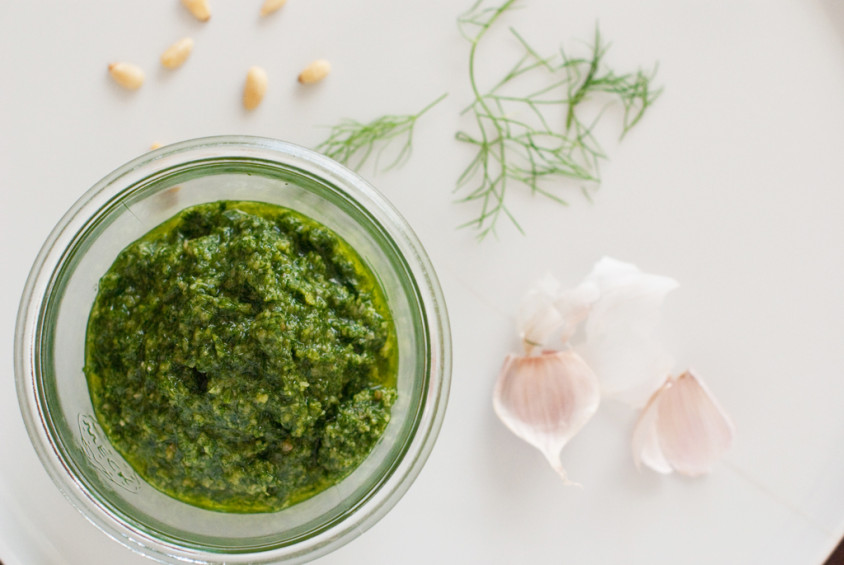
546	399
574	306
629	298
682	428
548	311
620	342
537	318
629	368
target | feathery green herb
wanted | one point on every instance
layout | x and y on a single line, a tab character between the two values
353	143
519	139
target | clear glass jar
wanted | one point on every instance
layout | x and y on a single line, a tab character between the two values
50	337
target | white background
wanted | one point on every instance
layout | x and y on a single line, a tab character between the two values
732	184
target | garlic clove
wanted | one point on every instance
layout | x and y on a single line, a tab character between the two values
692	428
546	400
620	332
682	428
646	447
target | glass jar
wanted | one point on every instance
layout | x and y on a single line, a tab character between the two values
50	343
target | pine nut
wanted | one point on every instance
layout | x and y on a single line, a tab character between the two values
315	72
271	6
255	87
199	9
127	75
177	53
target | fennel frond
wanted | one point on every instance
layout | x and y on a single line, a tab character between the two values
518	139
353	143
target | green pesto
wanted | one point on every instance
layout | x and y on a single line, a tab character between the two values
241	357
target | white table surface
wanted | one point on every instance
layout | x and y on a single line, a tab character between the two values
732	184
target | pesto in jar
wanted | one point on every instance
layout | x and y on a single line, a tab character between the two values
241	357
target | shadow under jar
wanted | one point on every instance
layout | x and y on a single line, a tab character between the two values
50	349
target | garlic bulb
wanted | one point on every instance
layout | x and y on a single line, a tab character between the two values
681	429
546	399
